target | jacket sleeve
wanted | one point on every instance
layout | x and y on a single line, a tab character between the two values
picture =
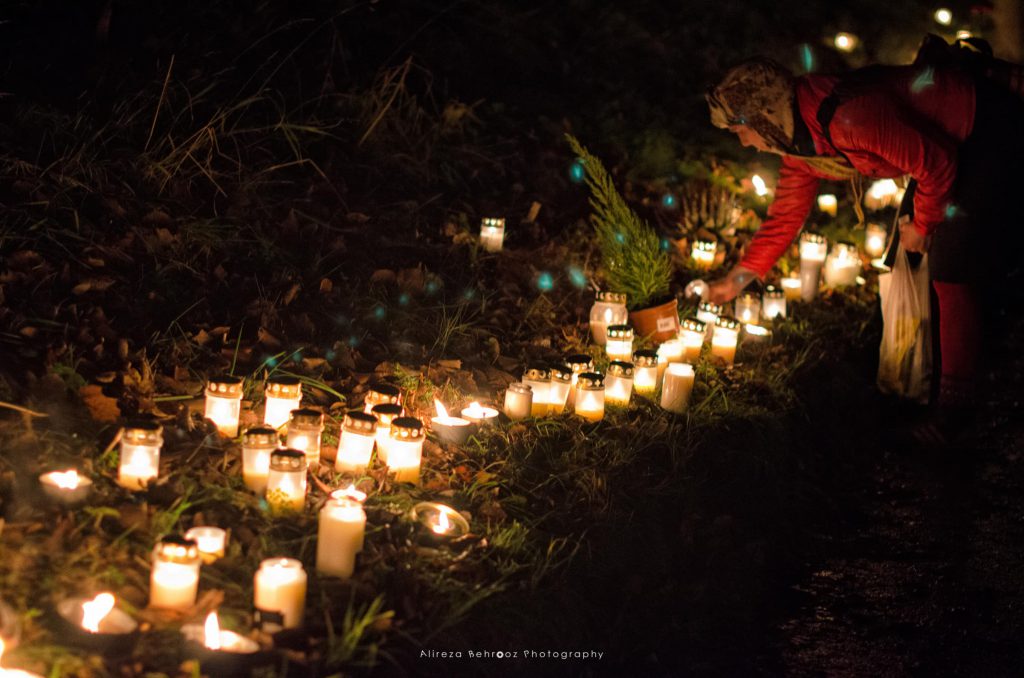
794	196
877	125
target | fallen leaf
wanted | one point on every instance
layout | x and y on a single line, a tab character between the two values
92	285
326	286
292	292
101	407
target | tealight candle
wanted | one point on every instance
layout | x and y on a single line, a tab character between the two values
140	454
747	307
518	401
95	623
702	252
538	378
620	342
608	309
174	579
385	414
405	449
14	673
355	447
454	430
67	487
559	387
843	265
257	444
440	523
282	395
479	414
773	303
708	312
286	483
723	343
340	530
211	542
874	240
224	403
590	396
813	247
645	371
671	351
756	334
675	392
578	363
492	234
691	335
381	394
217	641
618	383
791	288
828	204
305	428
279	594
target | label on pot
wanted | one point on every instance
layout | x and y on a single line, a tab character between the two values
668	324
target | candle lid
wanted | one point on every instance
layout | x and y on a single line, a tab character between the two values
693	325
705	245
645	357
225	386
383	393
620	332
709	307
284	387
590	380
520	387
386	413
725	322
562	373
358	421
537	373
176	549
306	417
142	432
772	292
492	222
579	362
620	368
612	297
813	237
406	428
287	460
259	436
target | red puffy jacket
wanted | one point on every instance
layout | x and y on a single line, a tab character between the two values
910	121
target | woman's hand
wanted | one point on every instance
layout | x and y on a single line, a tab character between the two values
732	284
911	238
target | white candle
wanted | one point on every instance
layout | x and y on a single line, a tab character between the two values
518	401
791	288
67	487
286	483
448	429
381	394
174	578
211	542
211	636
620	342
140	454
747	307
813	248
559	387
305	428
618	383
702	253
645	371
479	414
405	449
843	265
224	403
590	396
492	234
828	204
874	240
579	363
355	447
257	444
691	335
385	414
342	524
538	378
282	395
675	392
279	593
723	344
608	309
773	303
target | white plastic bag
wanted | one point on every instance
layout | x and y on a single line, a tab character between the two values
905	356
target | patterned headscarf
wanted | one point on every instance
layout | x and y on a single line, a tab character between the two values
757	93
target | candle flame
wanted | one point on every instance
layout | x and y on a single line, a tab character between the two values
442	411
349	492
211	631
443	525
66	480
759	186
95	610
475	410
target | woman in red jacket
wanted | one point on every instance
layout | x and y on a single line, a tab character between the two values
961	140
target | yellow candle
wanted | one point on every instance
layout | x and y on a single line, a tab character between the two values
645	371
590	396
675	392
340	530
355	447
140	454
279	593
702	252
405	449
538	378
286	483
618	383
224	403
282	395
723	344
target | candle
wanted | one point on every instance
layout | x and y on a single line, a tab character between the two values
813	248
756	334
439	523
518	401
140	454
224	403
620	342
943	16
723	344
579	363
257	444
66	487
282	395
381	394
559	387
305	429
538	378
210	541
340	530
102	623
590	396
773	303
286	482
405	448
702	253
760	188
843	265
707	313
174	578
279	594
385	414
691	335
748	307
618	383
492	234
14	673
675	392
671	351
791	288
828	204
645	371
215	640
479	414
874	240
355	447
454	430
881	194
608	309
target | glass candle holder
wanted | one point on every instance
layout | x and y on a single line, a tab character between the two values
478	414
385	414
305	429
707	313
279	594
559	387
518	401
282	395
590	396
675	392
67	487
702	253
608	309
723	344
578	363
691	335
257	444
773	303
791	288
813	248
381	394
645	371
671	351
355	447
875	237
843	265
211	542
405	449
748	307
620	342
538	378
139	454
286	483
618	383
174	578
828	204
340	530
224	403
492	234
440	523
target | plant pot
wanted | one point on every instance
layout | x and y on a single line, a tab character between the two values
660	323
